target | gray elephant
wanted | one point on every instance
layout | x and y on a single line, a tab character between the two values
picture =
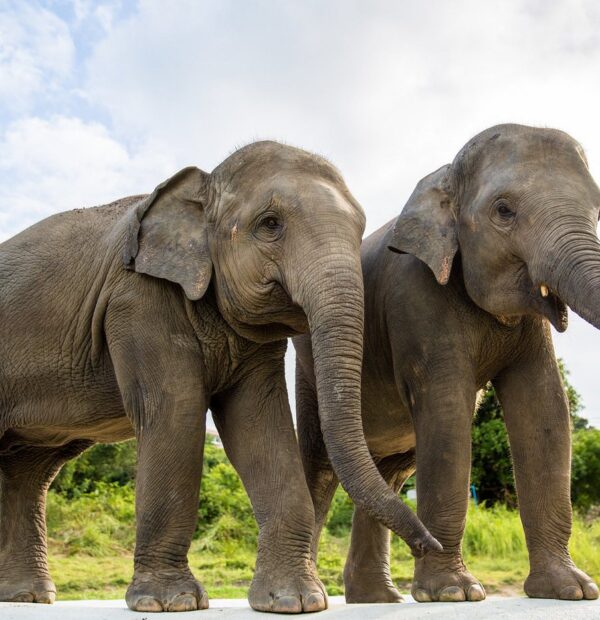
222	267
492	248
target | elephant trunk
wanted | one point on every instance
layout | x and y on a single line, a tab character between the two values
569	264
335	316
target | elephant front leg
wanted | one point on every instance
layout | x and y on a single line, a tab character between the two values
167	488
255	424
537	420
442	419
164	398
367	577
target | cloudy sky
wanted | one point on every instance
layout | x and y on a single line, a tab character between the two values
104	99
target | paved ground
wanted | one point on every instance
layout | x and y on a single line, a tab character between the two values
225	609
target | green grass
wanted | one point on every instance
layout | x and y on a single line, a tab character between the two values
91	539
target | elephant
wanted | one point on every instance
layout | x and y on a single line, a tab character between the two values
487	252
133	319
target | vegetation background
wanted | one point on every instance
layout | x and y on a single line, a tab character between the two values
91	521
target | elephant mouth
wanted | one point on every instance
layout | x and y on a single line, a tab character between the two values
553	307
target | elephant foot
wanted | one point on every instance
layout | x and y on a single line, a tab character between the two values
445	580
40	590
560	579
270	591
367	588
165	590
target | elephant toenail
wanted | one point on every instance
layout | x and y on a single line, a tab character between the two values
422	596
571	593
23	597
287	605
203	602
476	592
590	591
183	602
147	603
315	601
46	598
452	594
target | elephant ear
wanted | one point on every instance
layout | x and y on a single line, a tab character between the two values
426	228
167	236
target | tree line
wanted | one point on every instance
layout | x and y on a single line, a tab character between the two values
225	508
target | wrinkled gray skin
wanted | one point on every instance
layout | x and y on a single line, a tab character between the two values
221	268
483	238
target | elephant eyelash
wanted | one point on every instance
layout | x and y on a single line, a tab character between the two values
268	227
502	215
502	212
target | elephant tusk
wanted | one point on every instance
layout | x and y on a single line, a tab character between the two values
544	290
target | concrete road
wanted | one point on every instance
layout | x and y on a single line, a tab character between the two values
226	609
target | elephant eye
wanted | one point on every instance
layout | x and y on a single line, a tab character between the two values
269	228
503	209
271	223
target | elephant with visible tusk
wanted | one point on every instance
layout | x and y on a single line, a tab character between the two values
132	319
487	251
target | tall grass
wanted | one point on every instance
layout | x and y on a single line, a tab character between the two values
495	532
92	539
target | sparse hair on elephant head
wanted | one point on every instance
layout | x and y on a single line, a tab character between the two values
167	236
521	207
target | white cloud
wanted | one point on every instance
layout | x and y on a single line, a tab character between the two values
36	53
100	13
388	90
63	163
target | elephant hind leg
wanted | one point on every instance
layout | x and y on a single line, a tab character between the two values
25	475
367	577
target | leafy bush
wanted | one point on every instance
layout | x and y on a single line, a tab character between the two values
492	472
585	485
104	463
99	523
104	474
340	513
225	513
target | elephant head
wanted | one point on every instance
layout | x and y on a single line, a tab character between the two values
274	234
520	207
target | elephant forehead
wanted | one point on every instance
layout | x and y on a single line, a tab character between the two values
511	147
261	160
536	148
291	193
545	175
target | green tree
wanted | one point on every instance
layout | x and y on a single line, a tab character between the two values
340	513
104	463
225	513
491	471
585	480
